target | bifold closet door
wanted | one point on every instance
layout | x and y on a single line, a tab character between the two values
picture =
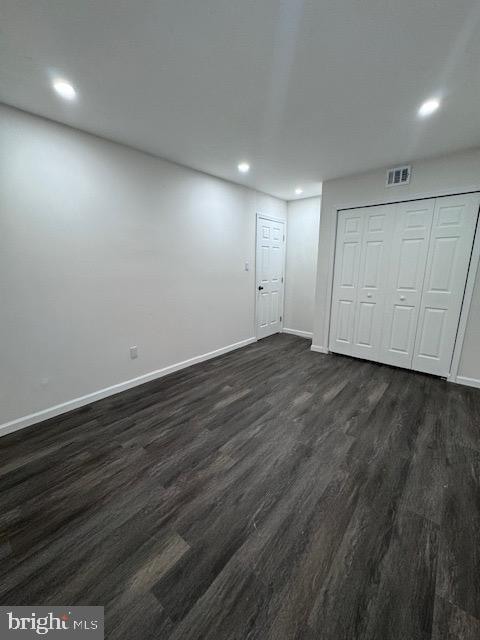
361	259
399	280
406	270
451	241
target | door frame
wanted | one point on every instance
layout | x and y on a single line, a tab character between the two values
467	300
265	216
473	268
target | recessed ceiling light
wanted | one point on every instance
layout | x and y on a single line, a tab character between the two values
298	191
428	107
64	89
244	167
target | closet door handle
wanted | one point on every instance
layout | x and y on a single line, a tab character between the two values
402	297
369	295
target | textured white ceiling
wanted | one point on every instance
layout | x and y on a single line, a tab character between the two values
303	90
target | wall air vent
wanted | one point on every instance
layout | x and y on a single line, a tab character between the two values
398	176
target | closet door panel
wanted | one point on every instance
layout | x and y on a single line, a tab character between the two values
361	256
445	278
409	250
401	329
372	280
344	295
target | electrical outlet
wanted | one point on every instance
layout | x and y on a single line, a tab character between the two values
133	353
247	266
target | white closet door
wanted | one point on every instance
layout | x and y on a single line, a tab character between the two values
374	257
413	221
359	281
344	295
445	277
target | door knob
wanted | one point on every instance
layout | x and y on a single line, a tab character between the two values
402	297
369	295
260	288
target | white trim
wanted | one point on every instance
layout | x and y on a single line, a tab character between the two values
465	310
297	332
331	275
472	271
427	195
51	412
272	218
284	221
469	382
318	348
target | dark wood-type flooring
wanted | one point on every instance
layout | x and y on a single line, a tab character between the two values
272	493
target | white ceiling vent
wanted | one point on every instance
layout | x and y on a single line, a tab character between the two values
398	176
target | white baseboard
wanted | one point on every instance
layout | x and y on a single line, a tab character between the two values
469	382
51	412
297	332
318	348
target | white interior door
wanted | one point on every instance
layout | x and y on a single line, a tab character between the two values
270	258
452	235
362	249
409	248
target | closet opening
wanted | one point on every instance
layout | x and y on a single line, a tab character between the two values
401	281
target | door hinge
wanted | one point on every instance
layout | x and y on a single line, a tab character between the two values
282	278
284	237
280	318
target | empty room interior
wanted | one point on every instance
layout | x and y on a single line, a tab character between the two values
240	319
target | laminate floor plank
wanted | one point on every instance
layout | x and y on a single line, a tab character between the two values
452	623
404	601
459	551
271	493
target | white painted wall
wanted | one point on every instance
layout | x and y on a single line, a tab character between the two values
103	247
453	173
302	249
